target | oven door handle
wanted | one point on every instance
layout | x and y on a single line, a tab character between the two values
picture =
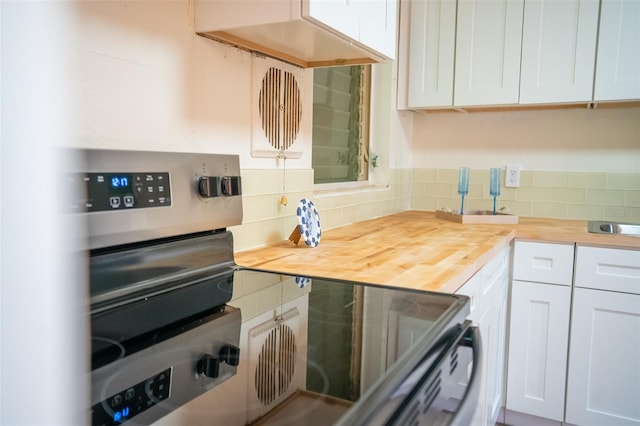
469	404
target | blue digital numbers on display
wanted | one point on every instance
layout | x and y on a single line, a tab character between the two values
119	181
121	415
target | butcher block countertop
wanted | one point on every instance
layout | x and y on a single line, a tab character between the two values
414	249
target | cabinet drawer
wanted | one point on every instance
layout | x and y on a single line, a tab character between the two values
543	262
494	276
472	289
485	284
608	269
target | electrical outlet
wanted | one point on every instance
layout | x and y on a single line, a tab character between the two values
512	178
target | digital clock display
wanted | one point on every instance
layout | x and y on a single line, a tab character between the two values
120	181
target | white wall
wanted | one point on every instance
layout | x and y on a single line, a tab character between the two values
43	314
146	81
600	140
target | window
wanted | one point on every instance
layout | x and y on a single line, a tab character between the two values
340	147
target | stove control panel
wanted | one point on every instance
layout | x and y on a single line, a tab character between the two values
121	191
217	186
124	405
132	196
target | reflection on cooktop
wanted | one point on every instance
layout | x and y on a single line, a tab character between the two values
105	351
102	282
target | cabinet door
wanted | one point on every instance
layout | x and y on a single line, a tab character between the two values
431	53
558	51
538	341
488	292
378	26
604	363
488	41
341	15
493	332
618	63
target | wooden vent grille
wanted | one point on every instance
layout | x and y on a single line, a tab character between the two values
276	364
280	108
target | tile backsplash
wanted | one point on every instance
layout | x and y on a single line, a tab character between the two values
570	195
265	221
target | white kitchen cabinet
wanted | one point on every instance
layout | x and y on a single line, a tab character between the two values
379	26
488	46
603	385
482	38
432	32
539	329
341	15
608	269
307	33
604	362
372	23
558	51
543	262
493	331
538	345
469	53
487	290
618	61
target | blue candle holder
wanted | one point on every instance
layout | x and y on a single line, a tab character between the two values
463	185
494	185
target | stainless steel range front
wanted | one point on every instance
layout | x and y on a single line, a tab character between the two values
161	274
173	317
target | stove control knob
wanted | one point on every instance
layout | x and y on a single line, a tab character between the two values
208	186
230	354
230	185
209	366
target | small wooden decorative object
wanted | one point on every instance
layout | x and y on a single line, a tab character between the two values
295	235
478	217
308	224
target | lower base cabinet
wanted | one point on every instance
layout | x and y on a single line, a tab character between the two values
538	343
605	350
574	343
493	332
488	291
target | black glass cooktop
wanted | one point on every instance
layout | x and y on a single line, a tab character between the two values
311	347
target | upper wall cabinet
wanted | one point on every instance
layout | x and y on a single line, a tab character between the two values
430	52
618	63
558	51
488	38
470	53
307	33
379	26
482	38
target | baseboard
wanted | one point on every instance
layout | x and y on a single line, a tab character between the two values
514	418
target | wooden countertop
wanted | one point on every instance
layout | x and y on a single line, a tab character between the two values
414	249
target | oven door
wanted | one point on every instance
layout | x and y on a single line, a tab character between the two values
162	333
424	389
143	387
